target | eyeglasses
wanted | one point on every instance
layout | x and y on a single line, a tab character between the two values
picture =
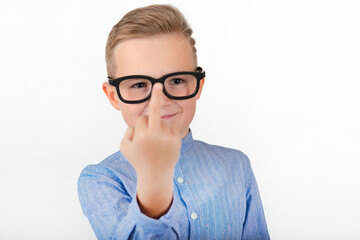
177	86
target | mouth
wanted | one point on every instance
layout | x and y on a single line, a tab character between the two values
168	116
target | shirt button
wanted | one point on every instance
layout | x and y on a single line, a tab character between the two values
194	216
180	180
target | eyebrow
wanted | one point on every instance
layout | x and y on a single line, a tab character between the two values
197	69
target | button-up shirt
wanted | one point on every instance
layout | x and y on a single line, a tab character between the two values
215	197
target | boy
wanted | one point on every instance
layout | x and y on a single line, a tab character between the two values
162	184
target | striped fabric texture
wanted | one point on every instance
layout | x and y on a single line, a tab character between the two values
215	197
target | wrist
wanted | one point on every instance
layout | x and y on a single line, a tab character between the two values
155	175
155	183
154	199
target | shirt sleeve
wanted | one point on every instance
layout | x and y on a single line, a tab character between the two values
254	226
114	214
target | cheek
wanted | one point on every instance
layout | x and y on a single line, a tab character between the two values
132	112
189	107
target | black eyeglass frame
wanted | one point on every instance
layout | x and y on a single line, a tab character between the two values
199	74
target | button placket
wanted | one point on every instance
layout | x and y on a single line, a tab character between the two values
189	199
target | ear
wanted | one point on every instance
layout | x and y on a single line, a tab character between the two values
202	82
111	94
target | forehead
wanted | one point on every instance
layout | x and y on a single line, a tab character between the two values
154	56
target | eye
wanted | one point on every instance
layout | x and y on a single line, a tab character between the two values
176	81
139	85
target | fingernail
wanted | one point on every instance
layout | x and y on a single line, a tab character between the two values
157	86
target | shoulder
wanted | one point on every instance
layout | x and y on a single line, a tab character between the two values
114	162
114	169
111	177
222	155
212	149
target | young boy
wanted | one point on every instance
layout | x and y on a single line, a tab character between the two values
163	184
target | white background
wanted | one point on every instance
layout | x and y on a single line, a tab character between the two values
282	86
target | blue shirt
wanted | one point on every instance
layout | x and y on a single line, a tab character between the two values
215	197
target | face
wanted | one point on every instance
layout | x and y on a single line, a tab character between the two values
155	56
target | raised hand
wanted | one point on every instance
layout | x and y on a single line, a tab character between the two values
153	148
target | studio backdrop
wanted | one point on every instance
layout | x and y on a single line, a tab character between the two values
282	85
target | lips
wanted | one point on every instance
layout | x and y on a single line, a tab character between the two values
168	116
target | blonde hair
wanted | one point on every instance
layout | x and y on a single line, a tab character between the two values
144	22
